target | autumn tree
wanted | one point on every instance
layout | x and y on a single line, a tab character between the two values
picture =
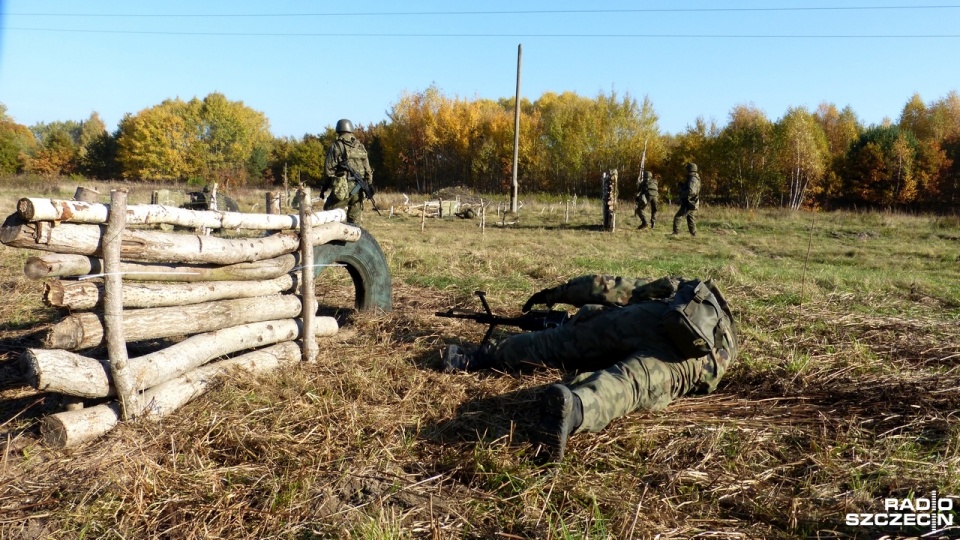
58	151
410	138
156	142
802	155
744	155
879	168
17	143
213	138
232	139
841	129
936	127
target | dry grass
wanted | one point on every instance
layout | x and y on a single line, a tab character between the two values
846	392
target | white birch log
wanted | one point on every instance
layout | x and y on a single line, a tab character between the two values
38	209
85	330
146	245
85	295
61	265
71	428
65	372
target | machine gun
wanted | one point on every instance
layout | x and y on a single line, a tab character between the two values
532	320
361	183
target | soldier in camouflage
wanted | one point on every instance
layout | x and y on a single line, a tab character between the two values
613	340
345	193
689	201
647	195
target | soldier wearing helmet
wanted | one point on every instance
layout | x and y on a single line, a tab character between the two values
344	192
647	195
689	201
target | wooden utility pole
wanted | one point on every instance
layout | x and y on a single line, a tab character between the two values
516	135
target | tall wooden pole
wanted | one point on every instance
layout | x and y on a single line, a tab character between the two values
309	300
516	135
123	379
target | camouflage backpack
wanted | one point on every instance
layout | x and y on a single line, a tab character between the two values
697	320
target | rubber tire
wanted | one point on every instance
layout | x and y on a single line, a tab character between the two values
367	266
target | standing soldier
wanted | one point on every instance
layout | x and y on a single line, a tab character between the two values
689	201
345	192
647	194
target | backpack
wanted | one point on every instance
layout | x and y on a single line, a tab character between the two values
697	319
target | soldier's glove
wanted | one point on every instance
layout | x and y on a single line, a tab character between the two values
537	298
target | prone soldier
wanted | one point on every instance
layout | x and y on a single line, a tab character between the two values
626	331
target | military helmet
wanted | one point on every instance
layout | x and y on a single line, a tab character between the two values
691	167
206	189
647	175
344	126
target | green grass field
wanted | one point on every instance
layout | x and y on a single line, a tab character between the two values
846	392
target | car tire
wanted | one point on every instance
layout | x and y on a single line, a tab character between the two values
367	266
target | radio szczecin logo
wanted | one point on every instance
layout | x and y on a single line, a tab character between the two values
934	512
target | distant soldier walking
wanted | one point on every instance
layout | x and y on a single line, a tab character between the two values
647	195
345	192
689	201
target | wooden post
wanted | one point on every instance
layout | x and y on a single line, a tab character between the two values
285	198
609	200
273	202
423	216
113	307
86	194
308	299
483	217
566	216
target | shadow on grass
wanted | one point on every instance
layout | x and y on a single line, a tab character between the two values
509	417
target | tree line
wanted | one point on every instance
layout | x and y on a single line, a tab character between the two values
821	158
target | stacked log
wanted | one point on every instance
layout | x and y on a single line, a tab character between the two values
235	298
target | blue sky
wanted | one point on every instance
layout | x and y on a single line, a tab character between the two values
306	64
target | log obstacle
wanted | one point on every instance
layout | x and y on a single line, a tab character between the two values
233	303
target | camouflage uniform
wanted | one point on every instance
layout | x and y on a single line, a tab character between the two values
647	194
689	201
345	193
615	332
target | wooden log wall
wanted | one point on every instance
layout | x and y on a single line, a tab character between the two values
233	296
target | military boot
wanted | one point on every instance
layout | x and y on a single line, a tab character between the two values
456	358
561	414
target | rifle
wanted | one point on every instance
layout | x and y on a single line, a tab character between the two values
643	159
641	196
532	320
361	183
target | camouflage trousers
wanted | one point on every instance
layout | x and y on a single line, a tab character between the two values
635	368
652	202
340	197
690	211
